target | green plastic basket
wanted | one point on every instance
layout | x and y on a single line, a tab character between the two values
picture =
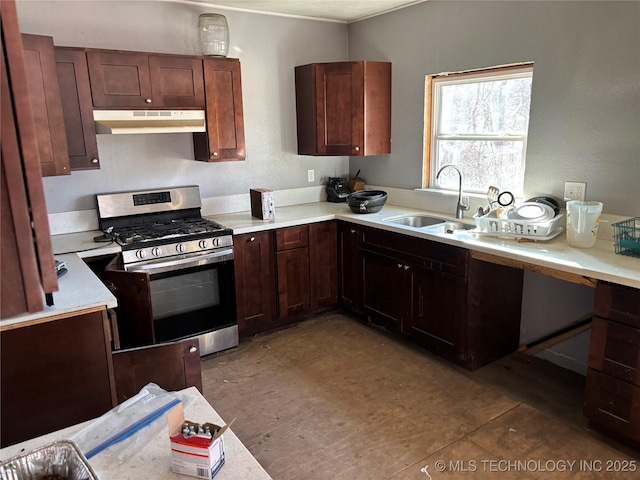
626	237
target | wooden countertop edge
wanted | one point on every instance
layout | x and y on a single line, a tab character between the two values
532	267
52	318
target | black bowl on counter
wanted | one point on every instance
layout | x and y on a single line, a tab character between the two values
367	201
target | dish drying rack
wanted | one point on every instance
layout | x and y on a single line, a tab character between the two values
491	224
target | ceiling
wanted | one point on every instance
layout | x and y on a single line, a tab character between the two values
335	10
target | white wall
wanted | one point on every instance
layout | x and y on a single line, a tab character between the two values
269	47
585	110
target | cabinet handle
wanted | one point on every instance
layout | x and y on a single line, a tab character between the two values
399	265
252	239
214	154
406	267
193	349
353	231
420	300
148	100
357	149
94	160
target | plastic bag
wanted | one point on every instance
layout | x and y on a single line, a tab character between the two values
124	430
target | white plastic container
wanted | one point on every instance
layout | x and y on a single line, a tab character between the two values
583	219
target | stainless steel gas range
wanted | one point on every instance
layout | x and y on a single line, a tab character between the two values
185	261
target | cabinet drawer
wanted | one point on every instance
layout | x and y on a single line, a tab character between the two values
292	237
619	303
613	404
615	350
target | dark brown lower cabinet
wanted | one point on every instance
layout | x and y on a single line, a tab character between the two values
384	290
349	271
432	293
254	264
283	274
438	311
612	393
293	281
55	374
323	264
172	366
135	316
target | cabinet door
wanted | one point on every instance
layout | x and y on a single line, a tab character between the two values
224	138
438	312
618	302
46	104
75	93
176	81
293	282
384	293
55	374
172	366
343	108
120	79
349	267
255	282
339	116
323	264
135	315
615	350
27	256
613	405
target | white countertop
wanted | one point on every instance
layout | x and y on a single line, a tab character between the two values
599	262
78	290
154	460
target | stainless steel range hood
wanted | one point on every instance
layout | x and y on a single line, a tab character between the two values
149	121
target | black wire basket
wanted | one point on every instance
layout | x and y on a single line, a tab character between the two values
626	237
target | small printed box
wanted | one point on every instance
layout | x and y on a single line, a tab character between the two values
262	204
197	455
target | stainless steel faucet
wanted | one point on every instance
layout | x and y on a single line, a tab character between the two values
460	207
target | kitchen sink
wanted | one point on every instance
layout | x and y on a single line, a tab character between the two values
417	221
430	224
449	227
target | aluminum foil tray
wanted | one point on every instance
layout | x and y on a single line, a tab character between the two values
54	461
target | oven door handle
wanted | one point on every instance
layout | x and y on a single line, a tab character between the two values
193	261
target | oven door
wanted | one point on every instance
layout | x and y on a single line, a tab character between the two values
193	296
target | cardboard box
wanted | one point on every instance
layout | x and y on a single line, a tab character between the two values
262	204
199	456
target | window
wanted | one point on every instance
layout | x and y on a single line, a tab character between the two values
478	121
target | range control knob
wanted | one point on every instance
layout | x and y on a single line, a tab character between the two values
215	242
180	248
202	244
141	254
156	251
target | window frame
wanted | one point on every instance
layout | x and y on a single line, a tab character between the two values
432	106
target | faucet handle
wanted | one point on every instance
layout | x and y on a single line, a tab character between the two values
464	203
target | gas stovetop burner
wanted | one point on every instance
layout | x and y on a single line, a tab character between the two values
150	231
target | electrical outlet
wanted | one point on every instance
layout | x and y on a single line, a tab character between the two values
575	190
311	175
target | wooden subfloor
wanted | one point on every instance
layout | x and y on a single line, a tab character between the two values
331	398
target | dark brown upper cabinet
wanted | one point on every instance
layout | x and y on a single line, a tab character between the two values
26	253
224	139
46	104
75	93
141	80
344	108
